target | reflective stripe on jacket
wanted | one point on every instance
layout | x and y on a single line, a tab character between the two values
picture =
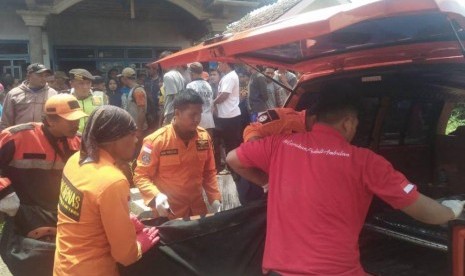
32	164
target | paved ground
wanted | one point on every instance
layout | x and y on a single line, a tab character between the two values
3	269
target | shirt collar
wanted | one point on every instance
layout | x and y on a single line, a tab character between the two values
72	92
196	136
326	129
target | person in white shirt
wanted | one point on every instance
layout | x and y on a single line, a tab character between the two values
173	82
226	106
204	90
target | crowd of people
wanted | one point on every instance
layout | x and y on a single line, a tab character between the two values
68	142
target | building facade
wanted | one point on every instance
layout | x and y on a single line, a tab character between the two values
102	34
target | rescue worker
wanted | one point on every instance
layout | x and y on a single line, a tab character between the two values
272	122
177	161
81	84
320	189
25	103
32	157
95	230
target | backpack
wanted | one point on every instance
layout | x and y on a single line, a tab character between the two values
151	113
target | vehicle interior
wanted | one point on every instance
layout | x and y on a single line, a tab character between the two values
404	115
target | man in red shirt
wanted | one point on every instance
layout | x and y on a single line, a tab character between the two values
320	189
272	122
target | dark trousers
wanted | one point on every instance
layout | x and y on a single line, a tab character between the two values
248	191
217	142
229	130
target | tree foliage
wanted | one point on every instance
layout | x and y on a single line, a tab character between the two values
457	118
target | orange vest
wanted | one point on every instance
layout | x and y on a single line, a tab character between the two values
31	163
167	165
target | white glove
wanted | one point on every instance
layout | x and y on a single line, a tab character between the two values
162	205
265	188
455	205
10	204
216	206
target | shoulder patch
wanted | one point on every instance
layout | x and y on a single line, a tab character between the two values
22	127
273	114
202	145
268	116
201	129
97	100
146	154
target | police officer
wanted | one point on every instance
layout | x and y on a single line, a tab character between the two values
177	161
81	84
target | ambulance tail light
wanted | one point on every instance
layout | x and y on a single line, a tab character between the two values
457	249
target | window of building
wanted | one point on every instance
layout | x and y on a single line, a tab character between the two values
14	48
14	56
140	67
75	53
111	53
140	53
105	58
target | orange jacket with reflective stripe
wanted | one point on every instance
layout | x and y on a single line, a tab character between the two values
94	231
167	165
33	166
276	121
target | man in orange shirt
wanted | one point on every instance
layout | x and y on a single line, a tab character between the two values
273	122
177	161
94	229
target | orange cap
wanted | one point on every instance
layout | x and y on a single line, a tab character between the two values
65	106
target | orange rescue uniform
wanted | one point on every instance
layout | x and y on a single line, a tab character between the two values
94	231
276	121
33	165
167	165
